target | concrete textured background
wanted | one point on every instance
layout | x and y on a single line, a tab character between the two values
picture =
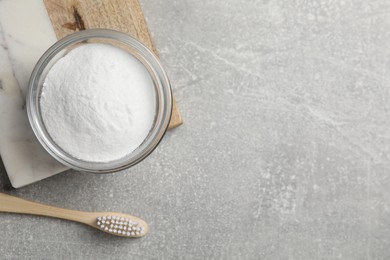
284	153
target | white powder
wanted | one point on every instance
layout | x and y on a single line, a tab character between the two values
98	103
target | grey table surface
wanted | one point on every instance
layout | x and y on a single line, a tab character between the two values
284	153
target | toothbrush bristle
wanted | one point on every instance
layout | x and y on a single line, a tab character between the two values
120	226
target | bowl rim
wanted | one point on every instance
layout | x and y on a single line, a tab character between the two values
164	101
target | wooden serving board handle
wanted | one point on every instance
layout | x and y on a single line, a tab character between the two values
68	16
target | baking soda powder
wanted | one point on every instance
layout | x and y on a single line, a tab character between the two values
98	103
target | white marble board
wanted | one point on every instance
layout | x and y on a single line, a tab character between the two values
25	34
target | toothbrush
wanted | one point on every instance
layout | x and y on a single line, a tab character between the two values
118	224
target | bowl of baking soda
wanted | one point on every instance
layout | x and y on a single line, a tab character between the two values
99	101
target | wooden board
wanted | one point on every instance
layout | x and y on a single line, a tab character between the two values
68	16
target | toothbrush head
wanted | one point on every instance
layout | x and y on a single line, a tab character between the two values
121	226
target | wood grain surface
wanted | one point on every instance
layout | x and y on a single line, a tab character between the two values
68	16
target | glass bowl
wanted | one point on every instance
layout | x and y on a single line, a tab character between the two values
130	45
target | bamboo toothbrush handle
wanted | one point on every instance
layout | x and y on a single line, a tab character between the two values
13	204
111	222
